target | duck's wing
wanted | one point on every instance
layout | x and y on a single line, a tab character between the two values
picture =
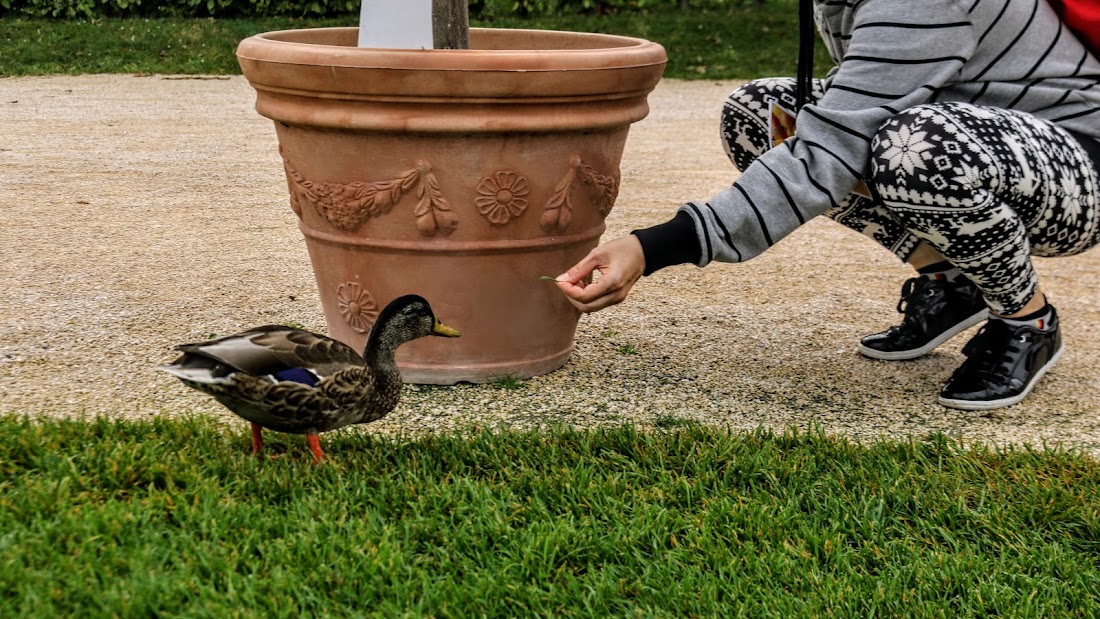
275	350
341	399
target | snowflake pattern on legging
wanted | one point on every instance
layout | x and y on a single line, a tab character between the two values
986	187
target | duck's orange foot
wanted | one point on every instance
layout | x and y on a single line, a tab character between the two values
257	438
315	447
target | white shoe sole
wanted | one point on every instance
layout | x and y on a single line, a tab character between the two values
970	405
905	355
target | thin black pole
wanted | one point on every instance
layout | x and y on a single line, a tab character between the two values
807	32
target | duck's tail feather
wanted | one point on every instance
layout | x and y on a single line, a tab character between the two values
200	375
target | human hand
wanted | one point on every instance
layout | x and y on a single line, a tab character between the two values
620	263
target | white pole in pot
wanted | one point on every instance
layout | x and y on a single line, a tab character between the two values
414	24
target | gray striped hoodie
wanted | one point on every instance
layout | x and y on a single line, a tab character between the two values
891	55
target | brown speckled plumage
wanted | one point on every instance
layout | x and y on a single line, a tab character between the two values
294	381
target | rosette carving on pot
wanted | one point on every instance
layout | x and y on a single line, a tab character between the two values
502	196
349	205
558	212
357	306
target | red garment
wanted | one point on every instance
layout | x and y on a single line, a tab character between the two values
1083	17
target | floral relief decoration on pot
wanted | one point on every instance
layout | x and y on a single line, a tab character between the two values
348	205
502	196
357	306
558	212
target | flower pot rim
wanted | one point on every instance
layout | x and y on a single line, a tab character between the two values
492	49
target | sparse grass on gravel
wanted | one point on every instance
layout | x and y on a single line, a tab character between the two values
173	517
737	43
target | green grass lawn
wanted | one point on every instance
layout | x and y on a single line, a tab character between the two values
175	518
744	43
104	518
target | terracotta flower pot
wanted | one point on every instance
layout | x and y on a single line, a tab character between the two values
460	175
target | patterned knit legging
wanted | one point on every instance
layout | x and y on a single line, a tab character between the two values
988	188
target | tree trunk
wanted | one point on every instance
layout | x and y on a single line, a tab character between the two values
451	24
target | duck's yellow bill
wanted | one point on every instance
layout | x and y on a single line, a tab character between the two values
442	329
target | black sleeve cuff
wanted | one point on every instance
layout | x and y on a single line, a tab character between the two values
670	243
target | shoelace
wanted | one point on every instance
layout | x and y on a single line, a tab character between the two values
907	293
908	323
914	291
986	354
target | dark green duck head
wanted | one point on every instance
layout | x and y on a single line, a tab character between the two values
403	320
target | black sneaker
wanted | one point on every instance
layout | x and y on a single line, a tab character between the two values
1003	363
935	311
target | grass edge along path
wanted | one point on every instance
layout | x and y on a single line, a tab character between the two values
737	43
103	517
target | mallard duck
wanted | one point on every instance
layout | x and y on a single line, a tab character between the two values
292	380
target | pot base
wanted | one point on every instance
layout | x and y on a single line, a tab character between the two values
450	374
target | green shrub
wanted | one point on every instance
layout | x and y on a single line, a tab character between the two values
178	8
480	9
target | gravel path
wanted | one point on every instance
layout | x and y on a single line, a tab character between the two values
139	212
